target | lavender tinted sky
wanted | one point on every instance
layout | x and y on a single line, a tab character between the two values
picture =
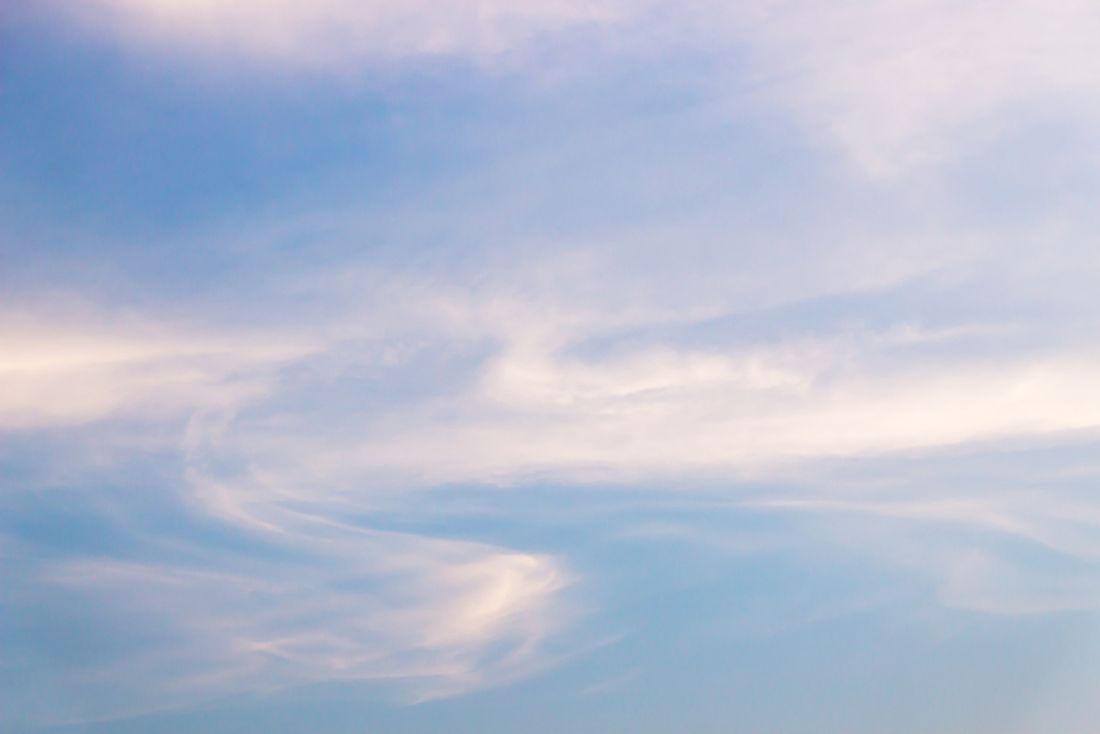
631	366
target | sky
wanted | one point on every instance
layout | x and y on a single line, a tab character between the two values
594	366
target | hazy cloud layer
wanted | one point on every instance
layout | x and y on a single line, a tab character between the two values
899	85
909	83
811	279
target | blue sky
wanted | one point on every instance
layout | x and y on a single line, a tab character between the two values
557	365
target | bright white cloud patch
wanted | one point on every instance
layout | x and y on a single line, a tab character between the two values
538	399
80	365
707	413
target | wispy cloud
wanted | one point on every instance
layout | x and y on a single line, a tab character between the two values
326	602
585	381
641	292
531	399
900	86
78	363
331	34
906	83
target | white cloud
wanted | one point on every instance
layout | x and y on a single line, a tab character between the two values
903	82
334	33
80	366
499	380
570	371
439	617
333	602
539	410
574	368
536	403
897	83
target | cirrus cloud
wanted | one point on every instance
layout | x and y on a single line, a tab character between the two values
332	33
